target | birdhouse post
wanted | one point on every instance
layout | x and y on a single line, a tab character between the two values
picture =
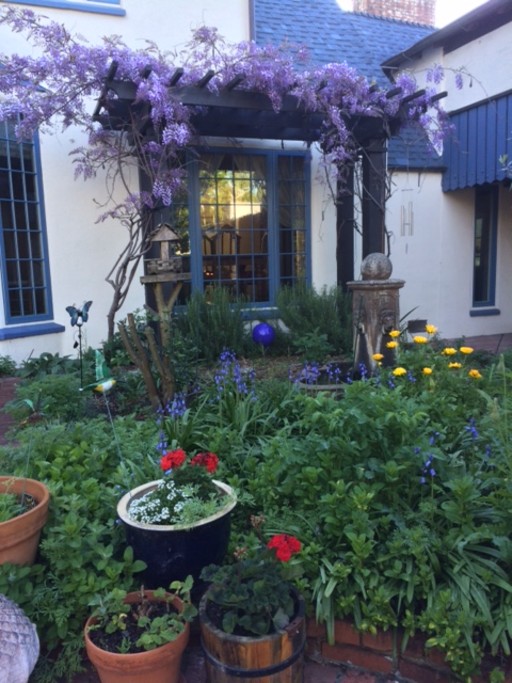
164	276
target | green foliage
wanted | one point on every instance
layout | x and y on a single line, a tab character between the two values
313	346
399	492
142	625
211	323
48	364
7	366
49	397
10	506
184	358
319	322
254	593
82	550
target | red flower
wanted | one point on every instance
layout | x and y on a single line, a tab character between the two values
285	546
208	460
172	459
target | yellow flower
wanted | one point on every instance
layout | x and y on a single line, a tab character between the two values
377	356
427	371
398	372
474	374
431	329
394	333
420	339
449	351
392	345
466	349
455	366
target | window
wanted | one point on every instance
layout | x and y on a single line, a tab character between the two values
246	223
484	264
100	6
25	278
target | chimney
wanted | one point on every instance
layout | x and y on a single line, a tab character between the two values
412	11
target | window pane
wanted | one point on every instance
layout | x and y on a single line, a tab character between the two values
232	209
15	303
484	246
292	219
21	230
244	241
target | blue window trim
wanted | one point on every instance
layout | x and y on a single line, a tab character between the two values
16	320
19	331
481	312
272	156
96	6
489	304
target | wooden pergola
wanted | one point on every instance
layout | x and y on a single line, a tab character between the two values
237	113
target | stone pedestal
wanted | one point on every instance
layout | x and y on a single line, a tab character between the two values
375	311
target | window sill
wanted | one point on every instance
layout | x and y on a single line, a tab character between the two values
18	331
477	312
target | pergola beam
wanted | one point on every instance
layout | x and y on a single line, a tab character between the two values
235	113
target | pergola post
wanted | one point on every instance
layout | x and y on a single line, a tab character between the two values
374	196
345	225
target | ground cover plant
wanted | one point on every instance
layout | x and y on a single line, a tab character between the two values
399	492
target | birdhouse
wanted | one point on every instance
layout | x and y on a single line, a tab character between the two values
166	242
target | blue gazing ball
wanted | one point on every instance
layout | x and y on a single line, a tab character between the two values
263	334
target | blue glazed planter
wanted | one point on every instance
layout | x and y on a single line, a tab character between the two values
173	551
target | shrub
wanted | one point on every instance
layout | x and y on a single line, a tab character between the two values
212	322
48	364
319	322
51	397
7	366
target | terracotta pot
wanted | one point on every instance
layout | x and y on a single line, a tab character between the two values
173	551
161	665
275	658
19	536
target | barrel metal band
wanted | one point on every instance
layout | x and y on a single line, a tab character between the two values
254	673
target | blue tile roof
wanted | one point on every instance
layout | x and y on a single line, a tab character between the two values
334	35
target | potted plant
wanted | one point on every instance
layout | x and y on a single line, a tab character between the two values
140	636
252	619
23	513
180	523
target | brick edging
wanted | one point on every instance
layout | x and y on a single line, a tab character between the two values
381	654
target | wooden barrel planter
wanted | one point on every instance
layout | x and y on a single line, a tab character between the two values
275	658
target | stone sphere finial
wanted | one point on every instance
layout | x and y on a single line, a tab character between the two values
376	267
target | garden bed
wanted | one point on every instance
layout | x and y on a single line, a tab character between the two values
398	493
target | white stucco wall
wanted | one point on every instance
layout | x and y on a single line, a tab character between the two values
323	226
434	256
81	251
437	260
482	64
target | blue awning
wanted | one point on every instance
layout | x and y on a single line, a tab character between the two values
481	135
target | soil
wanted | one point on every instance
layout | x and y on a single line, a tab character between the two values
123	640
